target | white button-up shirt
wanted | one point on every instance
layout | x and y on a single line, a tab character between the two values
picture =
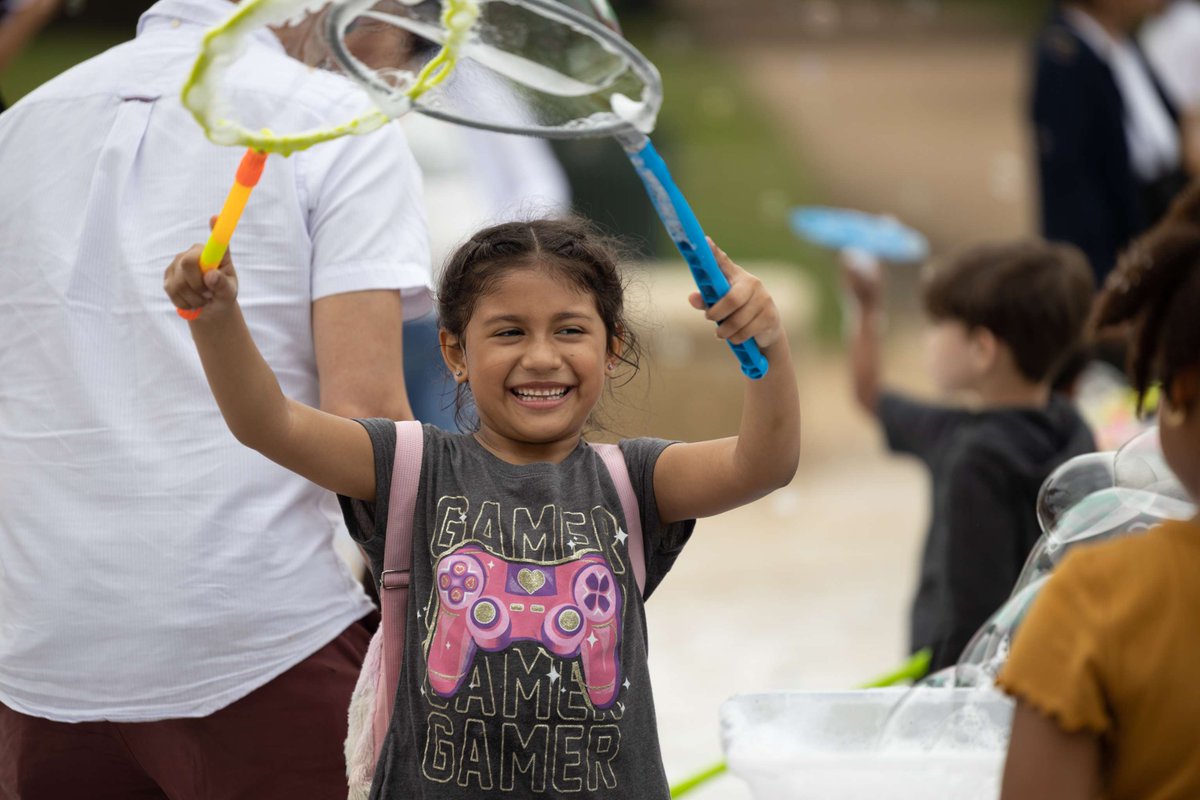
1172	42
150	566
1153	137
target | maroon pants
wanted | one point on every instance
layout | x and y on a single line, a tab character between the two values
283	740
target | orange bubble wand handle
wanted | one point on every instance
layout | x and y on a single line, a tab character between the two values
249	171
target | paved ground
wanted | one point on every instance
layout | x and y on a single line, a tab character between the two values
809	588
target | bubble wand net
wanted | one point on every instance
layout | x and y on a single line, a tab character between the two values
202	95
558	70
549	68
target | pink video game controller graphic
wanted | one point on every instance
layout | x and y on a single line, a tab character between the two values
571	609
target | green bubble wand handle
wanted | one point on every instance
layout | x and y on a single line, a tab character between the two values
249	171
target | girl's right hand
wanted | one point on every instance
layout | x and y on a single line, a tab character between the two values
191	288
746	311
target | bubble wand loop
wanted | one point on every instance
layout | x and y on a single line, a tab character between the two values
458	17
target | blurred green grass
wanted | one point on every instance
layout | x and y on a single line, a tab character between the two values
737	169
54	52
1024	15
740	172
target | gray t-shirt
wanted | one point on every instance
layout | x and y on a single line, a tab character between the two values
525	651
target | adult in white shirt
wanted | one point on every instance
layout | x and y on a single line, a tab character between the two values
1107	136
174	621
1172	42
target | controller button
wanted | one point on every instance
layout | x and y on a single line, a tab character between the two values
485	612
569	620
599	589
472	583
516	606
444	581
537	609
459	568
456	595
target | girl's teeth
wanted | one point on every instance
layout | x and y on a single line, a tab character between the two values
540	394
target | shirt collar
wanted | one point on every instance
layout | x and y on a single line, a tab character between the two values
1092	32
203	13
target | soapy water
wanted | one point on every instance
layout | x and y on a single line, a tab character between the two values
837	776
826	745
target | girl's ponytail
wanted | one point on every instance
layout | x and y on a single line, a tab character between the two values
1155	293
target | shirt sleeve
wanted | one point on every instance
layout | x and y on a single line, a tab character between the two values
366	218
1058	663
365	520
663	543
913	427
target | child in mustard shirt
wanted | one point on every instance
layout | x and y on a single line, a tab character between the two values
1104	668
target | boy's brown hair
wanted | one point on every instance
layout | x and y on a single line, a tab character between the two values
1033	295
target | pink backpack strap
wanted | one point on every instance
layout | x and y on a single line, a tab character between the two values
397	564
614	459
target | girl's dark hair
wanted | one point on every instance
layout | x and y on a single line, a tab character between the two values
1155	291
571	248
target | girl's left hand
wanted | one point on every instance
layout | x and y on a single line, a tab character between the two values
746	311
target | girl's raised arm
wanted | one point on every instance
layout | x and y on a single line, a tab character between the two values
330	451
706	478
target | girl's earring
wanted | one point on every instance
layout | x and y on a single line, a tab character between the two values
611	366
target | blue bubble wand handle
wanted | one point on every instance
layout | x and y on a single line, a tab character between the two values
688	236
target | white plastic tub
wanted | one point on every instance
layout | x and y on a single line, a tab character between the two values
827	745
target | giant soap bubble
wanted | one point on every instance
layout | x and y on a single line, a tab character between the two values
1071	483
1140	465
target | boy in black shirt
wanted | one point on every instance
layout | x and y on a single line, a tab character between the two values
1003	319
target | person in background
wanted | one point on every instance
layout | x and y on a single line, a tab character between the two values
1104	666
174	621
20	22
1106	135
1004	318
1172	43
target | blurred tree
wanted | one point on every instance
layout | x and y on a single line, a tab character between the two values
109	14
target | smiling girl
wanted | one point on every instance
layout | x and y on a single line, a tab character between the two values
511	514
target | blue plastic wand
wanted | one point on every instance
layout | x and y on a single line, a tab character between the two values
684	229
